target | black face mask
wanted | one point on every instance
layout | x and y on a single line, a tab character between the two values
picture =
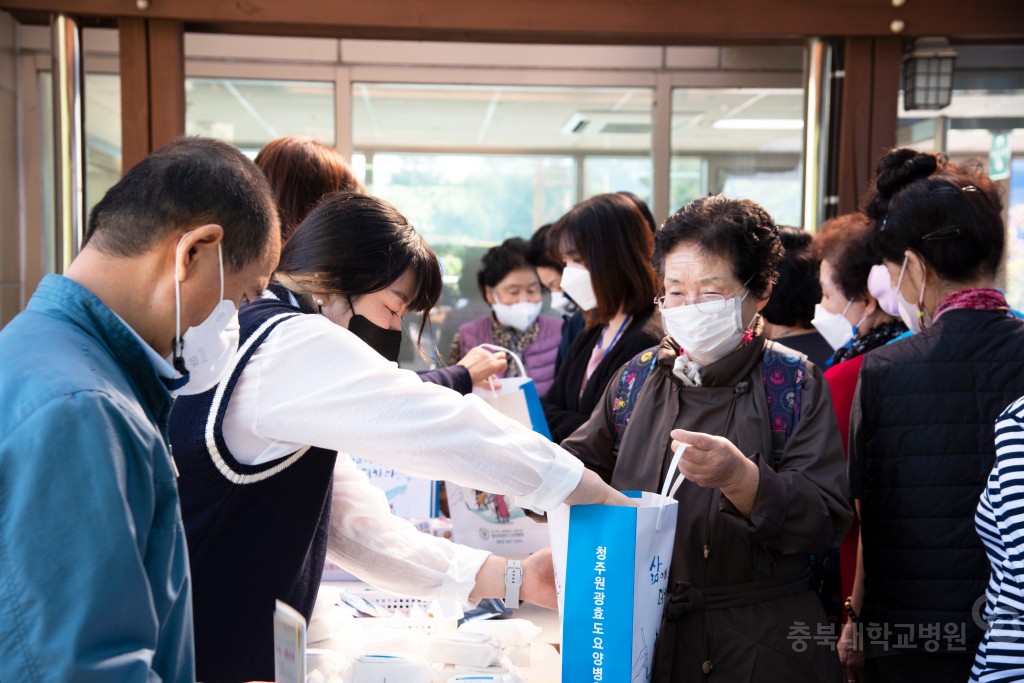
387	343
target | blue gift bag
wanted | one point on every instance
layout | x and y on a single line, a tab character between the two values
611	572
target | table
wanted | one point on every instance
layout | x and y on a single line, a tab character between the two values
546	661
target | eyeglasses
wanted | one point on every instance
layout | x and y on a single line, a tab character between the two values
705	303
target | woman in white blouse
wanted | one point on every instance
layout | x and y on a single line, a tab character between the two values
310	383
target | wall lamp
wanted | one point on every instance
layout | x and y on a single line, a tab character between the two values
928	74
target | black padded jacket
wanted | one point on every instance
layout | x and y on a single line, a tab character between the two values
921	448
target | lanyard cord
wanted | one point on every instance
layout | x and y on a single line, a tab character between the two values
617	333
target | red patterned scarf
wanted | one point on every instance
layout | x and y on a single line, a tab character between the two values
980	299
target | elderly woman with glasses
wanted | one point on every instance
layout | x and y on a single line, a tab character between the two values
765	480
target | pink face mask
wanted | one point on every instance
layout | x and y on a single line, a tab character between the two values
879	287
915	317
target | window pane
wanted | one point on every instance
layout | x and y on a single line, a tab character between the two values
688	180
464	204
474	199
477	118
778	192
617	174
102	135
250	113
744	142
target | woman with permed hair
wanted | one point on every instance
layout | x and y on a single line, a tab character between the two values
511	286
855	292
764	485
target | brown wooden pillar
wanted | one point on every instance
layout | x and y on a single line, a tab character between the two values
152	85
867	123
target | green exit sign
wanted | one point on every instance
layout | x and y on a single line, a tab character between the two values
999	157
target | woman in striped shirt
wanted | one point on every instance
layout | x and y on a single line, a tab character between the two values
1000	524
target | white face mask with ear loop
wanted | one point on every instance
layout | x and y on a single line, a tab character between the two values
562	304
204	351
835	327
520	315
707	337
576	282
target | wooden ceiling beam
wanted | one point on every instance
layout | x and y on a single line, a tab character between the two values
661	22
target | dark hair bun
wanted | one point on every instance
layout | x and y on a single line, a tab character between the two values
901	167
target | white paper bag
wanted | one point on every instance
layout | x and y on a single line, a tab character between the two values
517	398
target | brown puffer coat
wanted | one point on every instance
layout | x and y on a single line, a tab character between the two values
740	605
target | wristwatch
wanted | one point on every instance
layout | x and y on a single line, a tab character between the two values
513	580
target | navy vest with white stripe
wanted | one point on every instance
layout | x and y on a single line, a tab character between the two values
255	533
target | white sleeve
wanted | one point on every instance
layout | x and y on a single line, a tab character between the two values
386	551
314	383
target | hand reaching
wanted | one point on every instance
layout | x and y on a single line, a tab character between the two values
483	364
593	491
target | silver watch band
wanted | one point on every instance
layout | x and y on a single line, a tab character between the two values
513	581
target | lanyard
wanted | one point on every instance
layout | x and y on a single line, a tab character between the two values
598	354
617	333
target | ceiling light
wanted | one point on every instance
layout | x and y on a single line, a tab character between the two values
758	124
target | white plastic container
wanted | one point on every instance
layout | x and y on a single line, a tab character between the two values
470	649
387	668
510	632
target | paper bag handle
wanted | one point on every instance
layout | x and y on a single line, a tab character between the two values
515	357
672	483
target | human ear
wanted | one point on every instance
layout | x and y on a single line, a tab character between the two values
191	244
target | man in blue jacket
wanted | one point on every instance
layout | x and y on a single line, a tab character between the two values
94	582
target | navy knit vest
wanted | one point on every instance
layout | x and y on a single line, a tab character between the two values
929	408
255	533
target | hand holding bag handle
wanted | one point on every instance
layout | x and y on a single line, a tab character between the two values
672	483
515	357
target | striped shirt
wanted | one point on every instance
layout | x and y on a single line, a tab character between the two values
1000	524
